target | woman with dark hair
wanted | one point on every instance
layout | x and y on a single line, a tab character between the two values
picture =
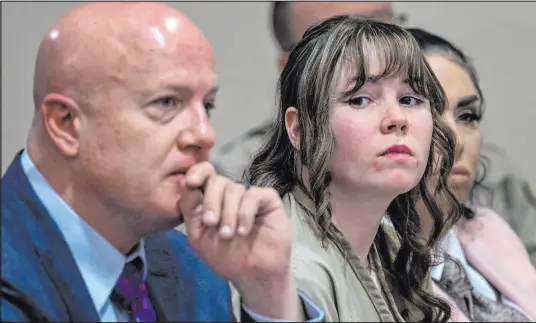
487	272
358	123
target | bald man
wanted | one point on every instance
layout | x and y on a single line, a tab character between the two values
290	20
116	157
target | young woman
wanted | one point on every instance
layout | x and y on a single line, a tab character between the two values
358	122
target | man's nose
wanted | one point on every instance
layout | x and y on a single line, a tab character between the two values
199	135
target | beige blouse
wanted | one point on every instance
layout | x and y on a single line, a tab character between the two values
344	289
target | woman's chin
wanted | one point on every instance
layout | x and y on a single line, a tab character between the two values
400	183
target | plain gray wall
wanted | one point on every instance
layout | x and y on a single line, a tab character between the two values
501	37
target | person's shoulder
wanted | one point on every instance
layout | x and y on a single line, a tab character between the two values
16	245
22	269
12	205
318	268
307	247
489	217
488	224
306	239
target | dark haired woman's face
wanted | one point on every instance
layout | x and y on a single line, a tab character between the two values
463	115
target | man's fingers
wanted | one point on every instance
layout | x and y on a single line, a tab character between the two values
198	175
193	186
190	199
226	207
190	206
247	213
256	203
231	202
213	200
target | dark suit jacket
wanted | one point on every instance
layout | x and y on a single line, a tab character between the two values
41	281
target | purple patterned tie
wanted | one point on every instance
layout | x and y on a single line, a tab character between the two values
132	292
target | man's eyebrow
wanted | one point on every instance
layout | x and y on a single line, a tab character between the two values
184	88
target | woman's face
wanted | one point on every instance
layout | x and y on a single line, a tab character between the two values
382	136
463	115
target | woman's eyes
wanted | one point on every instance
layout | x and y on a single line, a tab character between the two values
405	100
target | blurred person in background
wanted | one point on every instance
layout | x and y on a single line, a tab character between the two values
487	272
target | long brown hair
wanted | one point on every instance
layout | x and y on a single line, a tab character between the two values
307	83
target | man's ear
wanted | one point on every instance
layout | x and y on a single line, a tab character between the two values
61	117
293	127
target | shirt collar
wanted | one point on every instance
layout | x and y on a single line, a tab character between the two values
449	246
99	262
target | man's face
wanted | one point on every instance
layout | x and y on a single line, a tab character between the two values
303	15
150	123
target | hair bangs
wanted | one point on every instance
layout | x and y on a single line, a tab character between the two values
387	52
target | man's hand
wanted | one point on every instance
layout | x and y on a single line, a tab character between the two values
244	236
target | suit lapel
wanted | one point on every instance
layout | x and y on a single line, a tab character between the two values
163	281
52	249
